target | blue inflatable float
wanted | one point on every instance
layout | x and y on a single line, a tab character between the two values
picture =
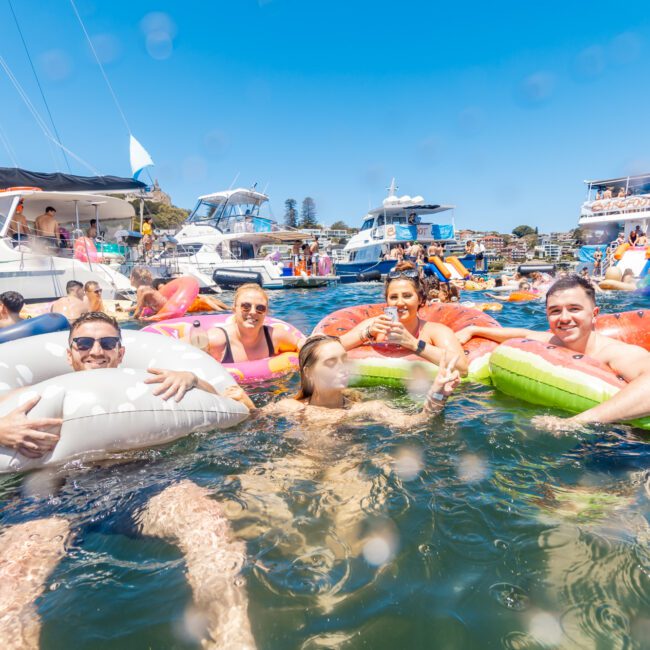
38	325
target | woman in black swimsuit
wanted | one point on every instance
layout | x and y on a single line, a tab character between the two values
247	338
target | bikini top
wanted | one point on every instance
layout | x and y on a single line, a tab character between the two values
227	354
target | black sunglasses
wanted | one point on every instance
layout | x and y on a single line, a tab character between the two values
85	343
247	306
408	273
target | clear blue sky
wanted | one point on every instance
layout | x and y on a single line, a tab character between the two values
501	109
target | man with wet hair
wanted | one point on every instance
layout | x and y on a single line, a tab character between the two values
72	305
11	302
571	312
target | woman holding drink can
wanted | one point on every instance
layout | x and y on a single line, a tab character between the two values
401	325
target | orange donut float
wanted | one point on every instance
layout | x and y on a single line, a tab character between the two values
386	364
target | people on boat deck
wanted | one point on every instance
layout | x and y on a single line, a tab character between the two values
571	312
642	239
598	262
72	305
634	235
314	254
247	338
607	194
183	513
599	195
11	302
92	229
146	296
621	193
46	227
403	289
18	228
435	249
147	237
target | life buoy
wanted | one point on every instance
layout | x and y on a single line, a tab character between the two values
390	365
283	363
180	294
390	231
109	410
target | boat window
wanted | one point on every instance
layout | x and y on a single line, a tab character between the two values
367	224
381	220
182	250
205	211
399	219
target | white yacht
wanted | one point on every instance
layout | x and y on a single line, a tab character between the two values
40	270
222	238
613	206
398	220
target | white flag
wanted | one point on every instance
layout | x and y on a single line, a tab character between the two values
140	157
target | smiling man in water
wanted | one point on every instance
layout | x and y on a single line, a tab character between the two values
183	513
571	312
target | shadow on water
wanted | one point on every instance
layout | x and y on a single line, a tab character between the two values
475	531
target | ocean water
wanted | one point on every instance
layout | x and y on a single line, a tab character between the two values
474	531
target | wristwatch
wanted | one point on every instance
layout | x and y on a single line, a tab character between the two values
420	348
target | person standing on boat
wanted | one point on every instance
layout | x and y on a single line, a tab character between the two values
147	237
295	253
314	250
46	227
92	229
18	228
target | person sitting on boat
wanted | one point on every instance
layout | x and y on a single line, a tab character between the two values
11	302
599	195
323	397
247	338
571	312
607	194
46	227
147	298
621	193
18	228
182	512
72	305
642	239
403	289
634	235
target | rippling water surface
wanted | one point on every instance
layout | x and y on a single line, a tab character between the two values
475	531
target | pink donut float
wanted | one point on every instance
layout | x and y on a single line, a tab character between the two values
180	294
245	372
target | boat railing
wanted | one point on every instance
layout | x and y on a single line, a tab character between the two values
629	204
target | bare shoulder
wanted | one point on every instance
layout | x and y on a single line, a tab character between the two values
437	330
286	406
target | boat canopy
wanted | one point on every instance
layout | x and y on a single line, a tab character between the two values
13	177
237	196
69	204
640	183
410	208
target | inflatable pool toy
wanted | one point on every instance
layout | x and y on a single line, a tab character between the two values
110	410
85	250
383	364
203	304
523	296
455	263
482	306
180	294
245	371
615	285
440	266
33	326
554	376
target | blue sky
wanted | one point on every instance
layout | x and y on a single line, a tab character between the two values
501	109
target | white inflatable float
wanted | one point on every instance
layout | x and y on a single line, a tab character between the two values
110	410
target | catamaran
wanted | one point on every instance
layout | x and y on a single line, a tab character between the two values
613	206
39	269
223	235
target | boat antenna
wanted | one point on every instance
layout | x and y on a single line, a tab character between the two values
234	180
38	83
392	190
38	119
101	67
266	187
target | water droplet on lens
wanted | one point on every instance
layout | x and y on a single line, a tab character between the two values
501	545
426	550
510	596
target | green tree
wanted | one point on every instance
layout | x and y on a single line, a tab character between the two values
308	213
167	217
340	225
290	214
520	231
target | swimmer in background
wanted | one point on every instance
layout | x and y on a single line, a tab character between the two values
403	289
93	296
247	338
571	312
183	513
146	296
11	303
72	305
